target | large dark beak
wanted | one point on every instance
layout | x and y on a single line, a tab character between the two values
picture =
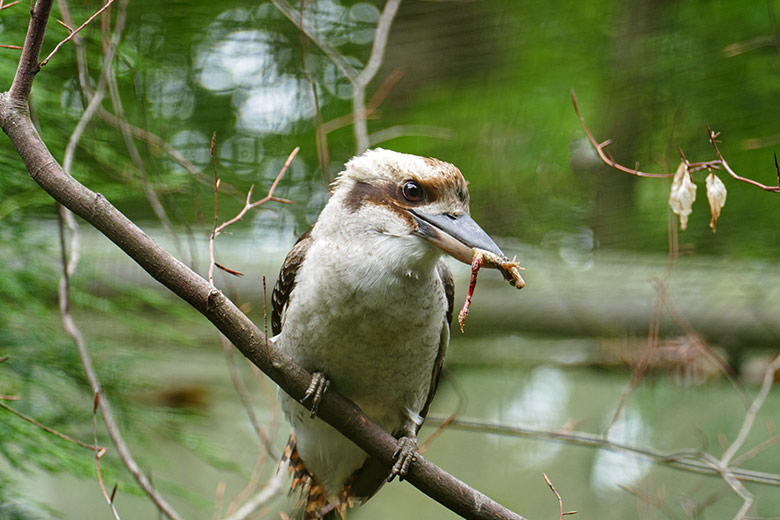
456	235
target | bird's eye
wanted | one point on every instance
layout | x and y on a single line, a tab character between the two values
412	191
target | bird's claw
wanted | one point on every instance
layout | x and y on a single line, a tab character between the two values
405	453
317	388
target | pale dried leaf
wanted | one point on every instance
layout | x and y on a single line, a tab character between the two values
683	194
716	194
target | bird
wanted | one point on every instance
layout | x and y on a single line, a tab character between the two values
364	302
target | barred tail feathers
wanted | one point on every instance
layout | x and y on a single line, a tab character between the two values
314	502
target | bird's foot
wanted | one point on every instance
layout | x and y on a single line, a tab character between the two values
405	453
317	388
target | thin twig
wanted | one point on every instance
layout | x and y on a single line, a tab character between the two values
216	208
168	149
359	80
558	496
654	328
69	267
368	73
687	460
70	263
271	489
393	132
373	104
251	486
67	27
98	455
719	164
601	146
750	415
216	230
74	32
755	450
135	155
656	502
439	430
331	52
321	137
47	429
713	141
697	341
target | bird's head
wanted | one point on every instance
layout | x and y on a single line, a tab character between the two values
406	195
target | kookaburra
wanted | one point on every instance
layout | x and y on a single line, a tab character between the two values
364	301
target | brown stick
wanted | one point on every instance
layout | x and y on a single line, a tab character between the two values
718	164
73	32
50	430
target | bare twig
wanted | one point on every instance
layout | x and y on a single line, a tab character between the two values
654	328
216	230
695	339
713	140
755	450
439	430
750	415
601	146
321	137
67	27
73	32
47	429
98	455
393	132
719	164
331	52
135	156
371	107
69	267
657	502
368	73
99	93
166	148
688	460
558	496
271	489
359	80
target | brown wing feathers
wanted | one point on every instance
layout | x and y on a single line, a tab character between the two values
286	281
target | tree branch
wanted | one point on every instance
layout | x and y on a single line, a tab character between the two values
28	63
74	32
687	460
718	164
50	430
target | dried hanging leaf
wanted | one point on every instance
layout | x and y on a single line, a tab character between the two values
716	194
683	194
